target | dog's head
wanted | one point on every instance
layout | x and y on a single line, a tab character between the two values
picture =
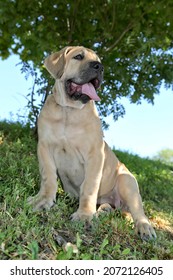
78	74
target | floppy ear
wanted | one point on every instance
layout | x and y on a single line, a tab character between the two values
55	62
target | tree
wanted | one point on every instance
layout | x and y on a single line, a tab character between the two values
165	155
133	38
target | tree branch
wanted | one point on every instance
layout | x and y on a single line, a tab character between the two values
120	37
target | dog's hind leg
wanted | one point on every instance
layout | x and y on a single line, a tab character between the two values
128	190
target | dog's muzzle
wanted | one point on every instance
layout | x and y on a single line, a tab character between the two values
91	79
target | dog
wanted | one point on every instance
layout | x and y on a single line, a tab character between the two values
71	145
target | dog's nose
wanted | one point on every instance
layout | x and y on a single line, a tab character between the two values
97	66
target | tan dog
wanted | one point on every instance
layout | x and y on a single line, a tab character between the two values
71	144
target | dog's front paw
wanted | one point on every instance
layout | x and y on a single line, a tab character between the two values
82	216
40	202
145	230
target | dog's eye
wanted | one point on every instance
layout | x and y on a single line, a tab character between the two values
78	57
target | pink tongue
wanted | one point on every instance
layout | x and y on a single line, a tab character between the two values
87	89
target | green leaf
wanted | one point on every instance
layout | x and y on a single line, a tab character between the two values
126	251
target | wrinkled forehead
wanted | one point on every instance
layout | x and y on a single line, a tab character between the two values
87	53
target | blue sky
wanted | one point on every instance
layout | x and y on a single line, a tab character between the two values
144	130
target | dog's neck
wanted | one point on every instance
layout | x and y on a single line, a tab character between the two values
61	97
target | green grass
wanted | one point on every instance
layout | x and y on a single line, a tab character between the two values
30	235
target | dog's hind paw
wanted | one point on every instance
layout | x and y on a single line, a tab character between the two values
40	202
145	230
104	208
81	216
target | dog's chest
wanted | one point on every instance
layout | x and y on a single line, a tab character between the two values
69	134
70	166
67	153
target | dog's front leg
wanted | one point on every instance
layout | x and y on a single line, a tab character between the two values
47	194
90	186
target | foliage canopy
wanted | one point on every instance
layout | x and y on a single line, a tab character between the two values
165	155
133	38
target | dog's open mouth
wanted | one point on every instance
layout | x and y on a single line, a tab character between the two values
83	92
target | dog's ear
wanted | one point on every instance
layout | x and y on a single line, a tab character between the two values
55	62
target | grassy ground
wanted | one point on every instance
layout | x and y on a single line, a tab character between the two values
45	235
